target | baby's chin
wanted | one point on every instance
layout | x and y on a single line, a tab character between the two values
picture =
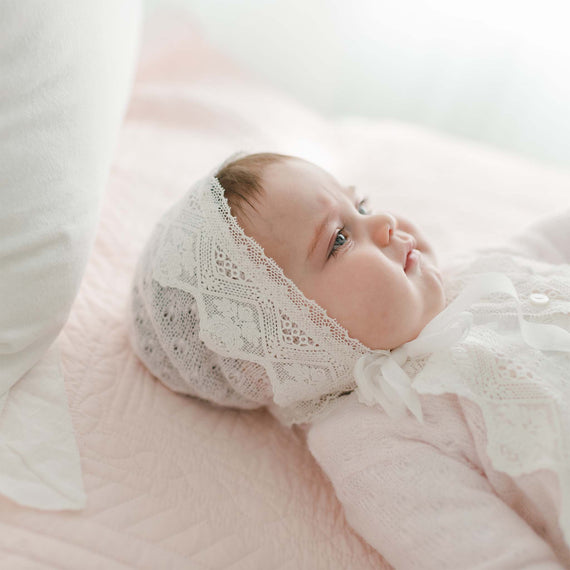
413	332
394	342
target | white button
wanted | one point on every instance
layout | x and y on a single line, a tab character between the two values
539	299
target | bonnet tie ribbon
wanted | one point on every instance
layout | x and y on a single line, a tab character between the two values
379	375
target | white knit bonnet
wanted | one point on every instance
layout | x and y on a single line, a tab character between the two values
213	317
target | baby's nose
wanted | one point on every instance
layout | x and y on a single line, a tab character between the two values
382	226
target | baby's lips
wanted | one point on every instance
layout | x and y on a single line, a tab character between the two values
410	246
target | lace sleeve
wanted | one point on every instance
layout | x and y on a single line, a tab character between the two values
422	507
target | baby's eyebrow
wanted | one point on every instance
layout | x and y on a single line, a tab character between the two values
322	225
320	228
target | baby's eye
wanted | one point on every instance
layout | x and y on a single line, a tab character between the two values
363	207
339	241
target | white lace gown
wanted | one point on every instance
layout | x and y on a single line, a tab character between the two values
484	482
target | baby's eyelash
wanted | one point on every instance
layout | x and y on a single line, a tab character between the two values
363	205
362	209
335	248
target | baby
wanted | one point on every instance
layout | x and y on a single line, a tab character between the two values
437	407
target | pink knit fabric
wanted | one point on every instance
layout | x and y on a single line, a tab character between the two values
427	496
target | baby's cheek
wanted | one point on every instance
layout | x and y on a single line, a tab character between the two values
338	296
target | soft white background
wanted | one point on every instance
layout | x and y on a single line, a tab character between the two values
496	71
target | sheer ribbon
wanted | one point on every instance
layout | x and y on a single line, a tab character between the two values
379	374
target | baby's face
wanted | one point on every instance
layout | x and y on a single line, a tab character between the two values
373	273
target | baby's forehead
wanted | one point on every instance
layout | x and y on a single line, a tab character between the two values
298	179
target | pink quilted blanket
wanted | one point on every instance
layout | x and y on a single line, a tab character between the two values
172	482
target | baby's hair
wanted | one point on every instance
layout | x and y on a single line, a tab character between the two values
241	178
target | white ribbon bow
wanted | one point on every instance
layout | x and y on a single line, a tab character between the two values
379	374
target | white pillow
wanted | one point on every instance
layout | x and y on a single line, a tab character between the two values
66	70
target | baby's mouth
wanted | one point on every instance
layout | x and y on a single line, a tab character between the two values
412	259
